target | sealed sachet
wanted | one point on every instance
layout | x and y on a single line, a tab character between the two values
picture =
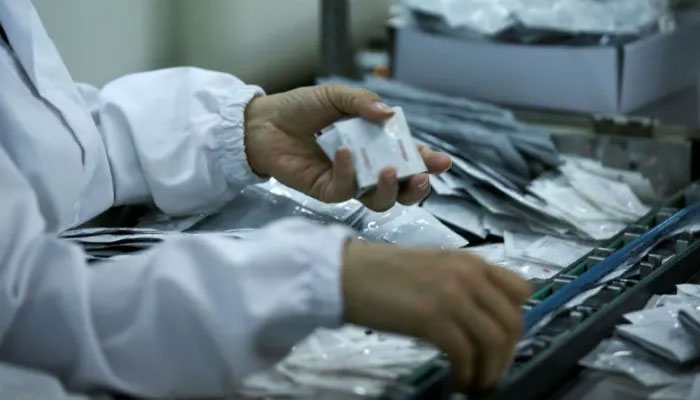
374	146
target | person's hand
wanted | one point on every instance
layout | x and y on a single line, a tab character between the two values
280	142
466	307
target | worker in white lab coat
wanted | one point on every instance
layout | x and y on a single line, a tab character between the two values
194	315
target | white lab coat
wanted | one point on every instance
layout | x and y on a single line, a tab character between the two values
189	317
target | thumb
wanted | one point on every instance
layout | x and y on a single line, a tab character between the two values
355	101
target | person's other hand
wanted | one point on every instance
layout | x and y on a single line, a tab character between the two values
280	142
466	307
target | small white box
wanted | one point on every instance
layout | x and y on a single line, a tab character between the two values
375	146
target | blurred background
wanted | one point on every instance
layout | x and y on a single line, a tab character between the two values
269	42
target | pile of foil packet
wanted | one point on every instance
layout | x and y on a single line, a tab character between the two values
659	346
569	22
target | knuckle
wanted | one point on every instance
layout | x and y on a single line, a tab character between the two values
367	94
451	295
430	311
432	328
478	266
331	90
335	94
497	340
332	87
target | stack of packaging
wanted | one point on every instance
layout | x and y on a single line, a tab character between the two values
508	175
346	363
528	21
508	180
659	348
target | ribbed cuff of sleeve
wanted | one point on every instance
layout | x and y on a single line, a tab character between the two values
229	153
326	272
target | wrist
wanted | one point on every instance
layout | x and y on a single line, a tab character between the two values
348	276
252	143
360	262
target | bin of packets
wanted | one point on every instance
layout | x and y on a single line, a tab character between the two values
570	61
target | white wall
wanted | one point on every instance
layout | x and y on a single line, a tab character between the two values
103	39
270	42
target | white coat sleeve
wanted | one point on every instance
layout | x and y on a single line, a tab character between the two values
175	136
189	317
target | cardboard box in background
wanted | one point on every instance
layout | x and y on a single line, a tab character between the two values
587	79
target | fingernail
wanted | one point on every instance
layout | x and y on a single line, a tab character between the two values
424	182
381	107
389	176
343	155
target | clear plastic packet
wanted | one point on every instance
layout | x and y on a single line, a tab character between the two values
458	212
345	212
408	226
530	270
272	384
600	230
640	185
667	313
454	181
493	151
516	243
497	225
666	339
351	348
342	363
672	299
689	318
618	357
162	222
612	196
494	253
491	18
23	383
652	302
680	390
538	215
554	251
490	201
613	17
688	290
441	187
560	194
486	17
695	389
255	207
357	386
